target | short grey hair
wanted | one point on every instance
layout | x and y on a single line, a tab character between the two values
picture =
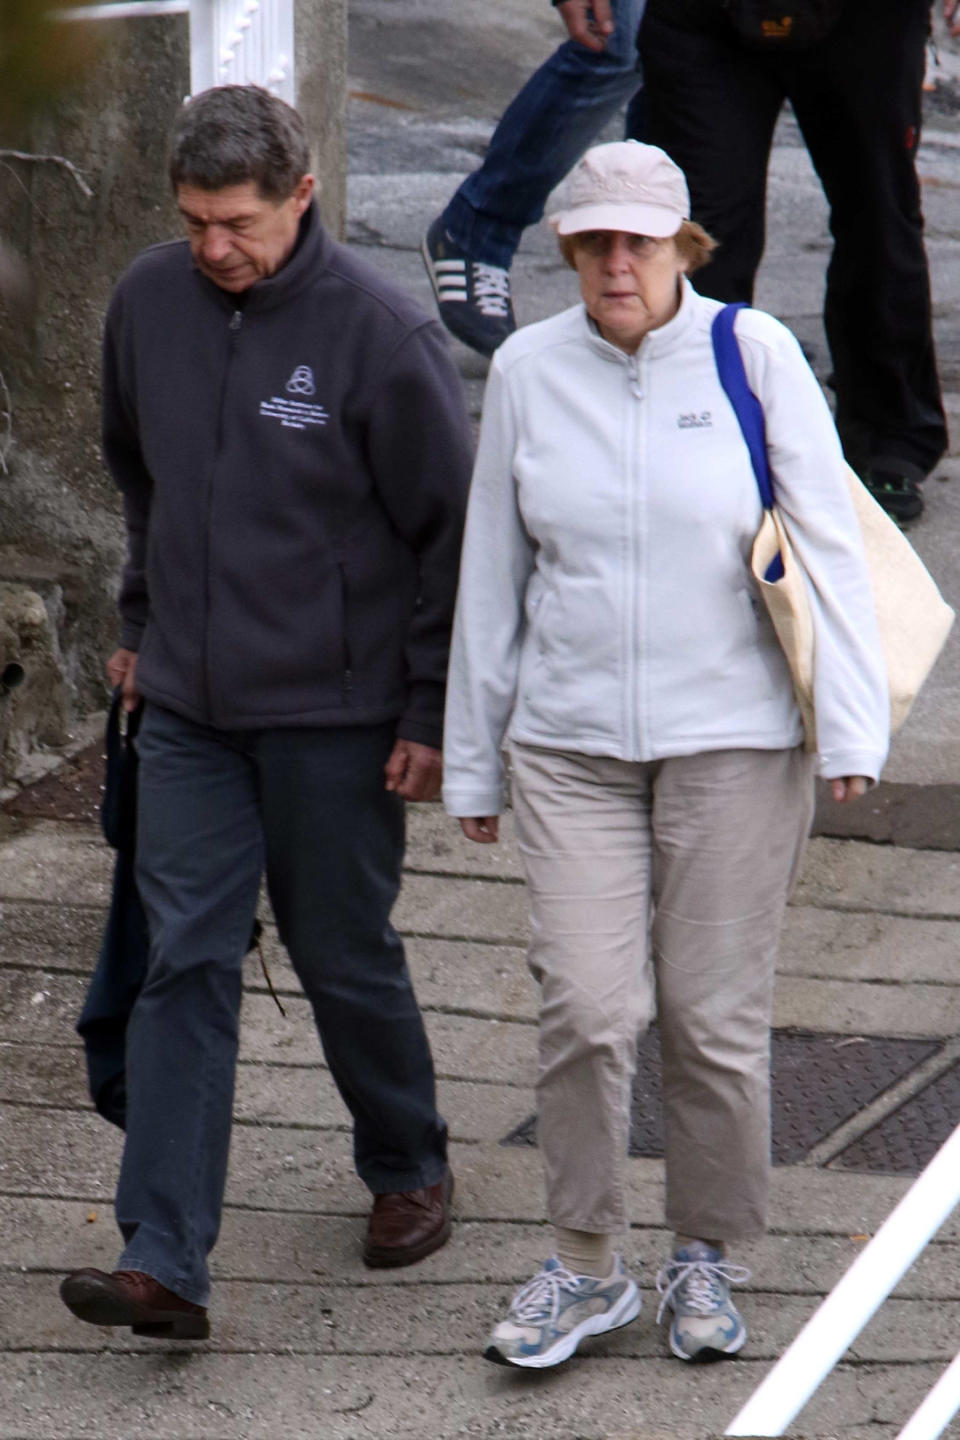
233	134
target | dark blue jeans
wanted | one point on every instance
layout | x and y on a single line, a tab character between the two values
217	809
541	136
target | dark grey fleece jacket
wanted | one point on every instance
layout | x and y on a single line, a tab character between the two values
294	472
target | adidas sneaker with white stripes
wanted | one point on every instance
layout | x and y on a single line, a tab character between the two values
473	298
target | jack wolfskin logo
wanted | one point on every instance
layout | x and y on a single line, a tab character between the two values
301	382
777	29
693	421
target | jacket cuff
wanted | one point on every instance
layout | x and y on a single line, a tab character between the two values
841	763
420	732
472	804
131	635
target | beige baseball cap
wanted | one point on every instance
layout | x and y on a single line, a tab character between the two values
623	186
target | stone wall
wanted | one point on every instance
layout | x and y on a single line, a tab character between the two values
60	529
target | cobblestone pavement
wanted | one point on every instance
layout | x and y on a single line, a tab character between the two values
306	1342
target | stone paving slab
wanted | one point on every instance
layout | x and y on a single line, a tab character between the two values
855	1008
48	1237
446	1320
74	1155
305	1097
466	1044
491	978
832	944
848	875
223	1397
465	1047
56	863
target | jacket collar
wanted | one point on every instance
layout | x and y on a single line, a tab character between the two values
658	342
311	253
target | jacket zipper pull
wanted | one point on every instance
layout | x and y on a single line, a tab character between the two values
236	320
633	372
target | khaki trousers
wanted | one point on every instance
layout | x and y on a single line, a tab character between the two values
658	888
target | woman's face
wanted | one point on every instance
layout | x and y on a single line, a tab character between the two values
630	283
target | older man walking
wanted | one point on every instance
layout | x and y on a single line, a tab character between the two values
289	436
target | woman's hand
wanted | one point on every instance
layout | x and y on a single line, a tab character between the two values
849	787
484	829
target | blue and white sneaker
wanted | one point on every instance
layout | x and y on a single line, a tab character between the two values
473	298
553	1312
695	1285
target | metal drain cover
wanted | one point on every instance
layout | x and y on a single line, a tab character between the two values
819	1082
907	1139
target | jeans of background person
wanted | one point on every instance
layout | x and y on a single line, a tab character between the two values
710	844
541	135
712	104
216	809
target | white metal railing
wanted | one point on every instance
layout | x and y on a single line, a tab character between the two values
240	42
123	9
232	42
848	1307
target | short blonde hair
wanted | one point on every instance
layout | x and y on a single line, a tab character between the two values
693	243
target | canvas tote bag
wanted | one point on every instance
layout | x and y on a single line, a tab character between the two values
912	616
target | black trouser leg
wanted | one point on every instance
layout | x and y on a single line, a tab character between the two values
713	110
857	98
334	847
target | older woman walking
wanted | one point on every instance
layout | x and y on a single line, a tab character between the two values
608	629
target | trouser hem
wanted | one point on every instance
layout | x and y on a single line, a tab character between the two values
398	1181
170	1279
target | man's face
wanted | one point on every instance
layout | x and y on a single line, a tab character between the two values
237	235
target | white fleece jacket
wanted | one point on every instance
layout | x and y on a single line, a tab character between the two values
606	604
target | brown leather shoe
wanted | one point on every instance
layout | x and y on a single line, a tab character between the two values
407	1225
128	1297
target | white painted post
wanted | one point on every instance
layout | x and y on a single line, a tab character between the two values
849	1306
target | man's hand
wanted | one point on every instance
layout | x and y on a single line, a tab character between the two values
414	771
484	829
850	787
951	14
590	22
122	673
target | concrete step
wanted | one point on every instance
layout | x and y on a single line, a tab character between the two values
447	1319
599	1397
62	863
44	1236
68	1154
827	944
304	1097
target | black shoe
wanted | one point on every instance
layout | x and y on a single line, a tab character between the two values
473	298
899	495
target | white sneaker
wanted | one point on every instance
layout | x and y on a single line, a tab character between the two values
553	1312
695	1285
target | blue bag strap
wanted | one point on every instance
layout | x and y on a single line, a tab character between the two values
746	407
